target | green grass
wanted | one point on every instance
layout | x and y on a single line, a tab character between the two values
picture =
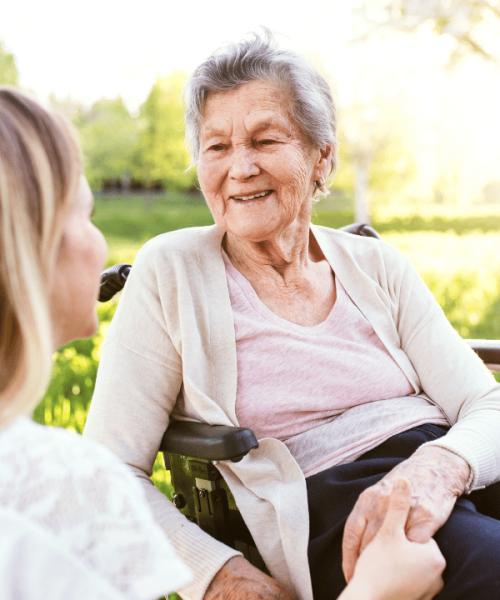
137	219
463	273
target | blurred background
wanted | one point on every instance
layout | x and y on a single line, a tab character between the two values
418	88
416	81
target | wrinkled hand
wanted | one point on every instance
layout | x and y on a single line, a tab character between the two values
393	568
239	580
436	477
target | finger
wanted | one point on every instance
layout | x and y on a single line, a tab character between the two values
351	543
421	533
398	509
372	528
424	521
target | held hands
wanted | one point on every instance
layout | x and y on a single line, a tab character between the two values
393	568
239	580
420	494
436	477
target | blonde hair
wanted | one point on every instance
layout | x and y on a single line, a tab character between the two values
40	166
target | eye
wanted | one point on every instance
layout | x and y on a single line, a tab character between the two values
267	142
217	147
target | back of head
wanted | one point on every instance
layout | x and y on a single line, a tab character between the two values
259	59
40	166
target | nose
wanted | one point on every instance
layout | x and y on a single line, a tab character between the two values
243	163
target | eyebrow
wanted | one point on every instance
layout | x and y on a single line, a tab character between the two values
271	122
212	131
261	125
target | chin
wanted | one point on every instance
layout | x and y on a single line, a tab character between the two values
91	329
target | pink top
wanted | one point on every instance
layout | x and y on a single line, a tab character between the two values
335	379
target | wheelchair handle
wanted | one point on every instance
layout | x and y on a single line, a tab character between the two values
112	281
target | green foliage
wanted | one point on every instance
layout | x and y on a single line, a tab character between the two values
344	176
75	367
74	111
8	69
137	218
161	153
148	147
462	273
391	165
393	168
332	218
109	136
458	223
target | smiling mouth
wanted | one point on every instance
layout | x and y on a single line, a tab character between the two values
253	197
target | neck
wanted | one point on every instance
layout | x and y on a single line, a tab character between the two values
283	252
286	250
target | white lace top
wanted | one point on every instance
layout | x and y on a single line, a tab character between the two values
75	523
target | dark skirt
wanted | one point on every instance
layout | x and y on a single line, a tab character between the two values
469	540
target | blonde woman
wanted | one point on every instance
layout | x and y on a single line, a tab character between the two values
73	519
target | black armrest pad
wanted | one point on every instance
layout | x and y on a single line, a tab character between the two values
209	442
488	351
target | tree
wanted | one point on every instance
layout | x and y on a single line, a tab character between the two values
474	25
109	136
376	141
8	69
161	151
72	110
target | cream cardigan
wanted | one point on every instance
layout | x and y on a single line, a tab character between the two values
170	351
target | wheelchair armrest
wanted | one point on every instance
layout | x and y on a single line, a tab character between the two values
488	351
208	442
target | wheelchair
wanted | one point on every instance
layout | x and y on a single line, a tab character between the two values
192	450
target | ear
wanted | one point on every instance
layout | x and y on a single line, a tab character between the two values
323	162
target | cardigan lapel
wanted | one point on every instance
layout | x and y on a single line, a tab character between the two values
366	294
221	322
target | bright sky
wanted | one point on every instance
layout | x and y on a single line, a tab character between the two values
106	48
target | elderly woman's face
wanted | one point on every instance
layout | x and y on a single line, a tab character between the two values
255	169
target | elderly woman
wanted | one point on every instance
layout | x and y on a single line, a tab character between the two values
329	346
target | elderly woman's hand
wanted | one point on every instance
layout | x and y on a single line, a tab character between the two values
436	476
393	568
239	580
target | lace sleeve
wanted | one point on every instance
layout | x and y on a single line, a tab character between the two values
33	565
92	506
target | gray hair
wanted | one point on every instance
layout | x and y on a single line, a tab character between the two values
259	59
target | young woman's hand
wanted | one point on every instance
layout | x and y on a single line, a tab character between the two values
392	567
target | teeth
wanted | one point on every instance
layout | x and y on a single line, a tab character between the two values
251	197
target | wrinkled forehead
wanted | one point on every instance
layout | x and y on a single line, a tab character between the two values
258	105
